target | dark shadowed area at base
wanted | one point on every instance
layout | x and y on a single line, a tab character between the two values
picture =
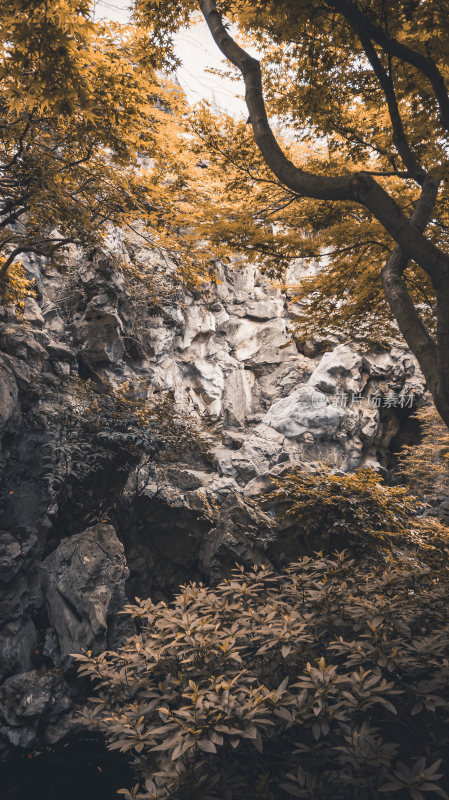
79	770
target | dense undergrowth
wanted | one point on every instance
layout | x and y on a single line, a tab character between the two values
325	679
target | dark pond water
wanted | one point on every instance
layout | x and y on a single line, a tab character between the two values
81	770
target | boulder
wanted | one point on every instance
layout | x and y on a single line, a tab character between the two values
33	702
339	368
32	313
60	351
305	410
20	341
83	581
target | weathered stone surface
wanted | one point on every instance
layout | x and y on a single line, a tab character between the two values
9	399
60	351
32	313
53	321
19	369
198	321
340	368
31	701
304	410
240	536
238	398
84	590
264	309
99	332
19	596
226	356
20	341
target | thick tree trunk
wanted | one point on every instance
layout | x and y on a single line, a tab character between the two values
441	391
431	354
441	400
410	324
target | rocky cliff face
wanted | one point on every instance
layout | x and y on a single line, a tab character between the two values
226	357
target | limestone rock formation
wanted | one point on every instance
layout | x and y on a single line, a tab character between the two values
227	357
20	596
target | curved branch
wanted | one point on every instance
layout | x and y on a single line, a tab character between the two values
399	137
359	187
41	249
361	24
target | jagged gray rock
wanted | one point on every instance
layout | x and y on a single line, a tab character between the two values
9	399
19	597
84	589
227	357
303	411
240	536
32	701
32	313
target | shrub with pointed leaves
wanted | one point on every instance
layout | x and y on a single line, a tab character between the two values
327	680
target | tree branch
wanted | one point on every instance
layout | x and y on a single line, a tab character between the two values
359	187
360	23
41	249
399	137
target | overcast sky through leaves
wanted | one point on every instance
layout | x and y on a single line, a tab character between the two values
197	52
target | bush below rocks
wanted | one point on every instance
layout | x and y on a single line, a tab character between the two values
326	680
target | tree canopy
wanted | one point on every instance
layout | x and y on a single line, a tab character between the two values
367	84
343	157
87	130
